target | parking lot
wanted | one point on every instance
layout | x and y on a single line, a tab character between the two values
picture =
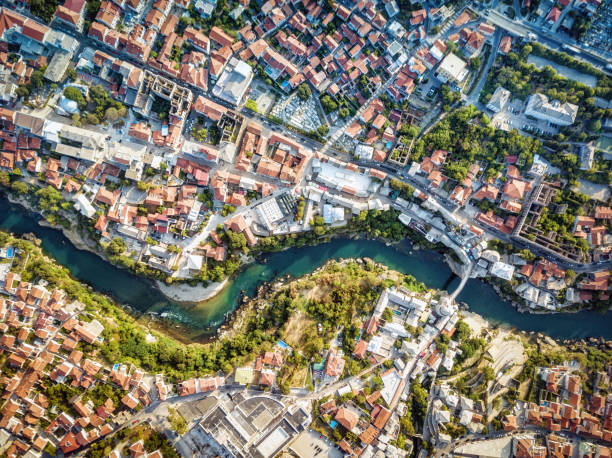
309	443
262	95
513	117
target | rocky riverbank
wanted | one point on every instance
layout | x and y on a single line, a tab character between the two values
184	293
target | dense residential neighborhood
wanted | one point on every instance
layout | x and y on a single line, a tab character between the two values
184	140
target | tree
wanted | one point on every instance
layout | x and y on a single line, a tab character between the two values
76	120
328	104
116	246
387	314
111	114
22	91
595	125
92	119
36	79
304	91
5	179
71	74
20	187
252	105
73	93
570	275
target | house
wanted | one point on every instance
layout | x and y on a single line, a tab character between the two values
71	14
334	365
347	418
505	45
273	359
474	44
553	16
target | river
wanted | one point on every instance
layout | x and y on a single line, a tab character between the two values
204	318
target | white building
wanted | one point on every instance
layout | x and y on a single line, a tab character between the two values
560	114
397	30
364	152
269	213
499	99
502	270
83	206
234	82
332	214
452	68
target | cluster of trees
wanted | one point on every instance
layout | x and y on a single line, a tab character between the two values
449	97
20	187
562	223
567	60
419	402
100	106
304	92
59	396
469	136
330	105
50	201
199	133
300	209
379	224
44	9
469	347
103	391
404	189
36	82
177	422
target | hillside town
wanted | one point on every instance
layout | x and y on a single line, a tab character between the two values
182	139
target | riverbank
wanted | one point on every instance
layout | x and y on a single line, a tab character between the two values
204	319
75	238
184	293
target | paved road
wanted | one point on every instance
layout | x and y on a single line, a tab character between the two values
475	95
546	38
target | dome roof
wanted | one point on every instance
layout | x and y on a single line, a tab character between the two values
68	105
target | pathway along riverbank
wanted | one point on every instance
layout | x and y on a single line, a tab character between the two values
204	318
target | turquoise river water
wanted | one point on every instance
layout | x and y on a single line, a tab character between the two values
204	318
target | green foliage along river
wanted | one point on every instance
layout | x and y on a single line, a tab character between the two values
205	317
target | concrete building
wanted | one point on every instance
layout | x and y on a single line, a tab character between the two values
269	213
555	112
251	427
452	69
499	99
234	82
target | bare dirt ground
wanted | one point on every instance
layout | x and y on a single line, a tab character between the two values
296	328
